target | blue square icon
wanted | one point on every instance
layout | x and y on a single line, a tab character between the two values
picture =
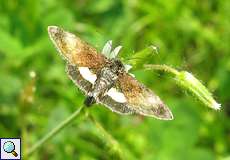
10	148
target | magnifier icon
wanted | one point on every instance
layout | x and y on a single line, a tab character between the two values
9	147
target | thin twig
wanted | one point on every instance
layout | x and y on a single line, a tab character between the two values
53	132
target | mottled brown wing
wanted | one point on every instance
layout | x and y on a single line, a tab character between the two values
74	50
121	108
78	80
142	100
85	86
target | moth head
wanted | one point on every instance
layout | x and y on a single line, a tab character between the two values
116	66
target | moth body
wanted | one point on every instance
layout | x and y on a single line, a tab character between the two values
106	79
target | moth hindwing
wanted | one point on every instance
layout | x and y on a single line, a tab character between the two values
104	79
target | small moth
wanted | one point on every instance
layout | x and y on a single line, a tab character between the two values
104	79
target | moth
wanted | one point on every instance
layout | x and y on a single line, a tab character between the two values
104	79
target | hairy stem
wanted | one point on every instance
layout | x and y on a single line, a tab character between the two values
188	82
163	68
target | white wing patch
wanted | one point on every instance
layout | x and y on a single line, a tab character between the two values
87	74
113	93
116	95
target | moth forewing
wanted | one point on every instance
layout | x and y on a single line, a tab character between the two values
142	99
153	106
74	50
64	42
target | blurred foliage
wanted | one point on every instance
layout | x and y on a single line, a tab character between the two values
191	35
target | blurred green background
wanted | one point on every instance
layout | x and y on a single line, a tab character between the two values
191	35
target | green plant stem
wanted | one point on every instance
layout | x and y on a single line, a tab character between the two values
53	132
111	143
163	68
188	82
24	132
